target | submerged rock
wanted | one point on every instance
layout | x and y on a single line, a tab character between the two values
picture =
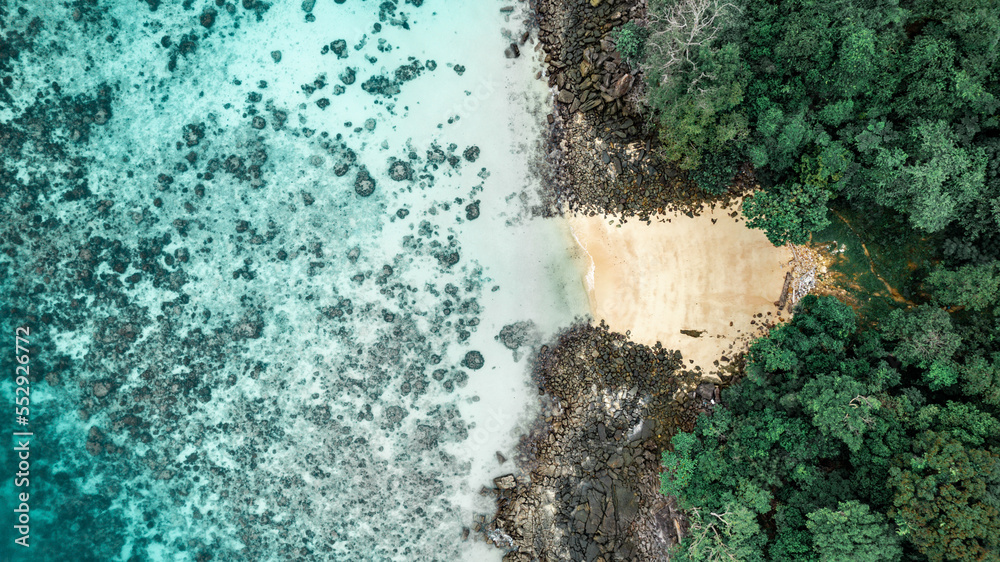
400	171
208	17
513	336
473	360
339	48
381	86
364	184
471	153
436	156
472	211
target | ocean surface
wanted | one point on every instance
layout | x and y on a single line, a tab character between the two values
280	271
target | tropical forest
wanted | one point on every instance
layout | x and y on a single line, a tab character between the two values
868	427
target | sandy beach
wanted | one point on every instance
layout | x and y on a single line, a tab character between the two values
709	274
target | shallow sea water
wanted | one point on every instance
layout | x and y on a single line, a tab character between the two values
266	297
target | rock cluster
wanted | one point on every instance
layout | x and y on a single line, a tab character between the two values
589	490
603	158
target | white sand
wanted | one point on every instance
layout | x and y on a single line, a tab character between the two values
687	274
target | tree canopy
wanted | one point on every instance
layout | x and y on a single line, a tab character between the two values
847	440
846	445
888	103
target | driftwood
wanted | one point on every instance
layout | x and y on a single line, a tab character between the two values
785	291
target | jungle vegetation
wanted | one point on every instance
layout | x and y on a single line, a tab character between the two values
851	436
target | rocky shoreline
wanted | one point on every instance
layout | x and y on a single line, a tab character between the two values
601	151
586	485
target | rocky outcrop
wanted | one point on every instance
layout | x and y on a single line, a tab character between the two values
588	486
603	153
581	57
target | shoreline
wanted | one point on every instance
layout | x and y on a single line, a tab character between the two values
585	485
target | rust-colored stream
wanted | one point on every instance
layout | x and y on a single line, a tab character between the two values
896	296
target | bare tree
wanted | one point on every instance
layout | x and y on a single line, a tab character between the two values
678	30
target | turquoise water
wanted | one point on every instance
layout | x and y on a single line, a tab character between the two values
266	253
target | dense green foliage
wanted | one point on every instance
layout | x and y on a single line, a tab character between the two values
888	103
843	443
630	40
848	440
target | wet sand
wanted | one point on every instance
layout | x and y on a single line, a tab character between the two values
687	274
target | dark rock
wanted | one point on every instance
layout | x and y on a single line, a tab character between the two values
381	85
364	184
626	505
706	390
472	211
339	48
566	96
208	17
622	86
400	171
512	51
473	360
505	482
471	153
276	55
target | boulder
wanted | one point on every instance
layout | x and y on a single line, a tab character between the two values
505	482
623	85
706	390
626	505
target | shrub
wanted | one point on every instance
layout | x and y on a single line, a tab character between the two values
630	40
716	172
